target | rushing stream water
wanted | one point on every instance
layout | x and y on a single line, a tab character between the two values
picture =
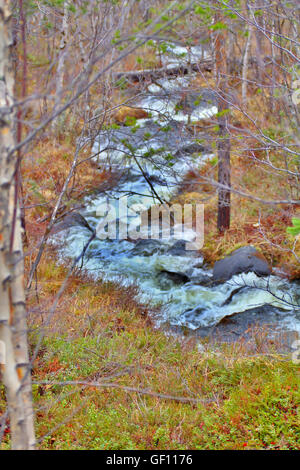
164	151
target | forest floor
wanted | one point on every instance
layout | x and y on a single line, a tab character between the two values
156	391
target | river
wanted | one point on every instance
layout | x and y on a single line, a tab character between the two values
164	151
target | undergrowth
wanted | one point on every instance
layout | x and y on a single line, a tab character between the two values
248	395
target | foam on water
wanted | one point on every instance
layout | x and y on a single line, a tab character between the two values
188	304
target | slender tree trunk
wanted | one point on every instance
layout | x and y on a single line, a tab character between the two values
245	67
61	61
273	73
224	139
224	172
18	176
13	331
259	40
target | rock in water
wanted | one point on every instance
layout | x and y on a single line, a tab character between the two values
243	260
200	279
69	221
147	248
179	249
176	278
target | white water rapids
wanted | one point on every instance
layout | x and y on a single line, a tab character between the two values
165	151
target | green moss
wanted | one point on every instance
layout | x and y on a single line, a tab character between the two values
254	400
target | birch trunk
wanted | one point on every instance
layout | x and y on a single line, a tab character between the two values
259	38
245	67
13	331
61	61
224	171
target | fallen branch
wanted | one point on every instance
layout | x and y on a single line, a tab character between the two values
147	74
125	388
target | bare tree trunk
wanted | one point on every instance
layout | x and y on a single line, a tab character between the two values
224	172
13	330
245	67
259	42
61	60
273	76
19	130
224	138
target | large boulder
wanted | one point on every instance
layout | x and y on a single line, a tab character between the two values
244	260
68	221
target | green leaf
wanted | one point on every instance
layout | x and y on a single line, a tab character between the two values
218	26
200	10
130	121
223	112
295	230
